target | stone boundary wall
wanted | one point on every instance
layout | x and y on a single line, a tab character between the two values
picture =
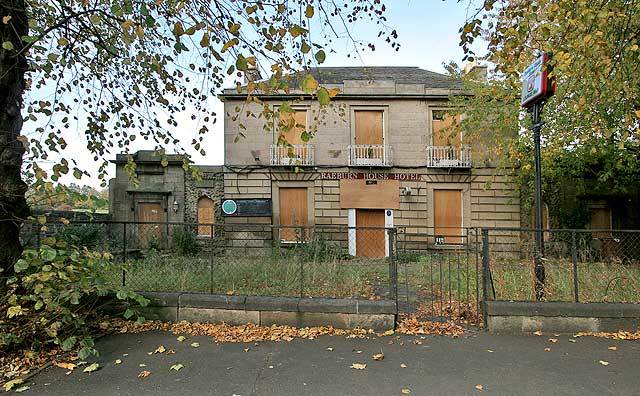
267	311
524	317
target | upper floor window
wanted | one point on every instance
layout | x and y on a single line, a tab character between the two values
369	127
291	126
443	131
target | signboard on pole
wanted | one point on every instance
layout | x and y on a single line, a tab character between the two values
536	84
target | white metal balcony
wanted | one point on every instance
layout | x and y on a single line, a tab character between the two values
370	155
448	157
292	155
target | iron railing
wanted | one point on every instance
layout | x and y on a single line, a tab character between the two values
448	157
370	155
292	155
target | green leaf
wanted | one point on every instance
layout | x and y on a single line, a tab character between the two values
128	313
181	338
320	56
85	352
305	48
177	367
47	253
308	83
68	343
241	63
323	96
8	45
21	265
305	136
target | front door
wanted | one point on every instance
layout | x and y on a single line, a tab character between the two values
293	212
149	234
370	241
447	216
369	136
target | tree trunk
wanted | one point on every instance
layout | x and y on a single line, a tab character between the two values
13	205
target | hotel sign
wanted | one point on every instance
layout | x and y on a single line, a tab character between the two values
370	176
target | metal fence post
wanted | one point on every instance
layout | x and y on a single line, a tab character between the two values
574	261
124	253
393	267
487	283
211	262
301	240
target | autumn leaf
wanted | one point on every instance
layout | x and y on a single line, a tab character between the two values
402	365
22	389
547	349
177	367
538	333
195	344
66	366
553	340
308	84
388	333
479	387
144	374
181	338
604	362
10	384
160	349
612	348
358	366
118	361
405	391
378	356
91	368
329	349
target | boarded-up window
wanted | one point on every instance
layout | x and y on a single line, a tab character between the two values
600	220
293	213
443	129
291	126
206	216
447	216
369	126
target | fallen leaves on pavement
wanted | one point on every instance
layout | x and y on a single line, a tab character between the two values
222	332
359	366
160	349
144	374
412	326
20	363
66	366
620	335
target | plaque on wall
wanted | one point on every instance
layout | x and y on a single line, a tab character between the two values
246	207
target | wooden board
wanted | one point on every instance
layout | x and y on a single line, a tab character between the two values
293	211
370	242
369	128
447	215
206	215
292	125
147	233
600	219
442	132
357	194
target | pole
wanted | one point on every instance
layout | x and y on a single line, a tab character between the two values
539	250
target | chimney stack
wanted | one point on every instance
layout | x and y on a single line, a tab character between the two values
252	74
476	71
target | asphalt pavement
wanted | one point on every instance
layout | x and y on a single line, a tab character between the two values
474	364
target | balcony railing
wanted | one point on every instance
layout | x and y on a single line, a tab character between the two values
370	155
448	157
292	155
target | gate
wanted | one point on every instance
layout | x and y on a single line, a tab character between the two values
439	280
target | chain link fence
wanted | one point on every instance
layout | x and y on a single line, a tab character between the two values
579	265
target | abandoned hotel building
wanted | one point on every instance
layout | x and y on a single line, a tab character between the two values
382	160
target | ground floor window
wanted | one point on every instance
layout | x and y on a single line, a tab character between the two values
206	216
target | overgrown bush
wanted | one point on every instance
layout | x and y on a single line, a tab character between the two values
184	241
82	235
54	296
